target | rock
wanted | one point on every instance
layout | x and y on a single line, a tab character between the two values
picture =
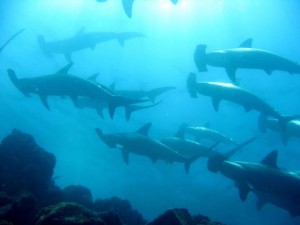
17	210
204	220
174	217
69	213
122	208
78	194
24	165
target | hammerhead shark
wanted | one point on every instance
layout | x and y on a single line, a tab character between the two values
205	132
63	84
227	91
244	57
82	40
271	184
141	144
292	127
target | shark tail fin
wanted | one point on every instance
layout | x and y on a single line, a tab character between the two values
262	123
215	161
42	43
189	162
191	83
153	93
129	109
200	58
117	101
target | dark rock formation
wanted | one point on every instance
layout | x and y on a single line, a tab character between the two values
78	194
182	217
67	213
174	217
18	209
122	208
24	165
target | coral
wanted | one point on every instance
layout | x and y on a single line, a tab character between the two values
67	213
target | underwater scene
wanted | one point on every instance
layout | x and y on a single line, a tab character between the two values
159	111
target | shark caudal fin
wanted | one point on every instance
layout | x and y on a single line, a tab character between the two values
43	45
13	77
215	161
153	93
117	101
200	58
191	85
129	109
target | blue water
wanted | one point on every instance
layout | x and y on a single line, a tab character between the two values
163	57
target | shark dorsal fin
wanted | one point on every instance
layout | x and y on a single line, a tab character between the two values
144	130
207	125
64	70
181	131
80	32
93	77
246	44
270	159
113	86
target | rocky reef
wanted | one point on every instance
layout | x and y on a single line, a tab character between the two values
28	194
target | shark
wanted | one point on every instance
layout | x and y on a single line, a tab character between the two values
64	84
265	179
292	128
140	143
205	132
188	148
226	91
82	40
244	57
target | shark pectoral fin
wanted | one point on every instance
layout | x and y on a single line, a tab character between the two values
44	101
261	201
68	57
125	155
111	109
268	71
285	138
74	100
100	113
216	102
231	74
247	108
244	189
127	6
